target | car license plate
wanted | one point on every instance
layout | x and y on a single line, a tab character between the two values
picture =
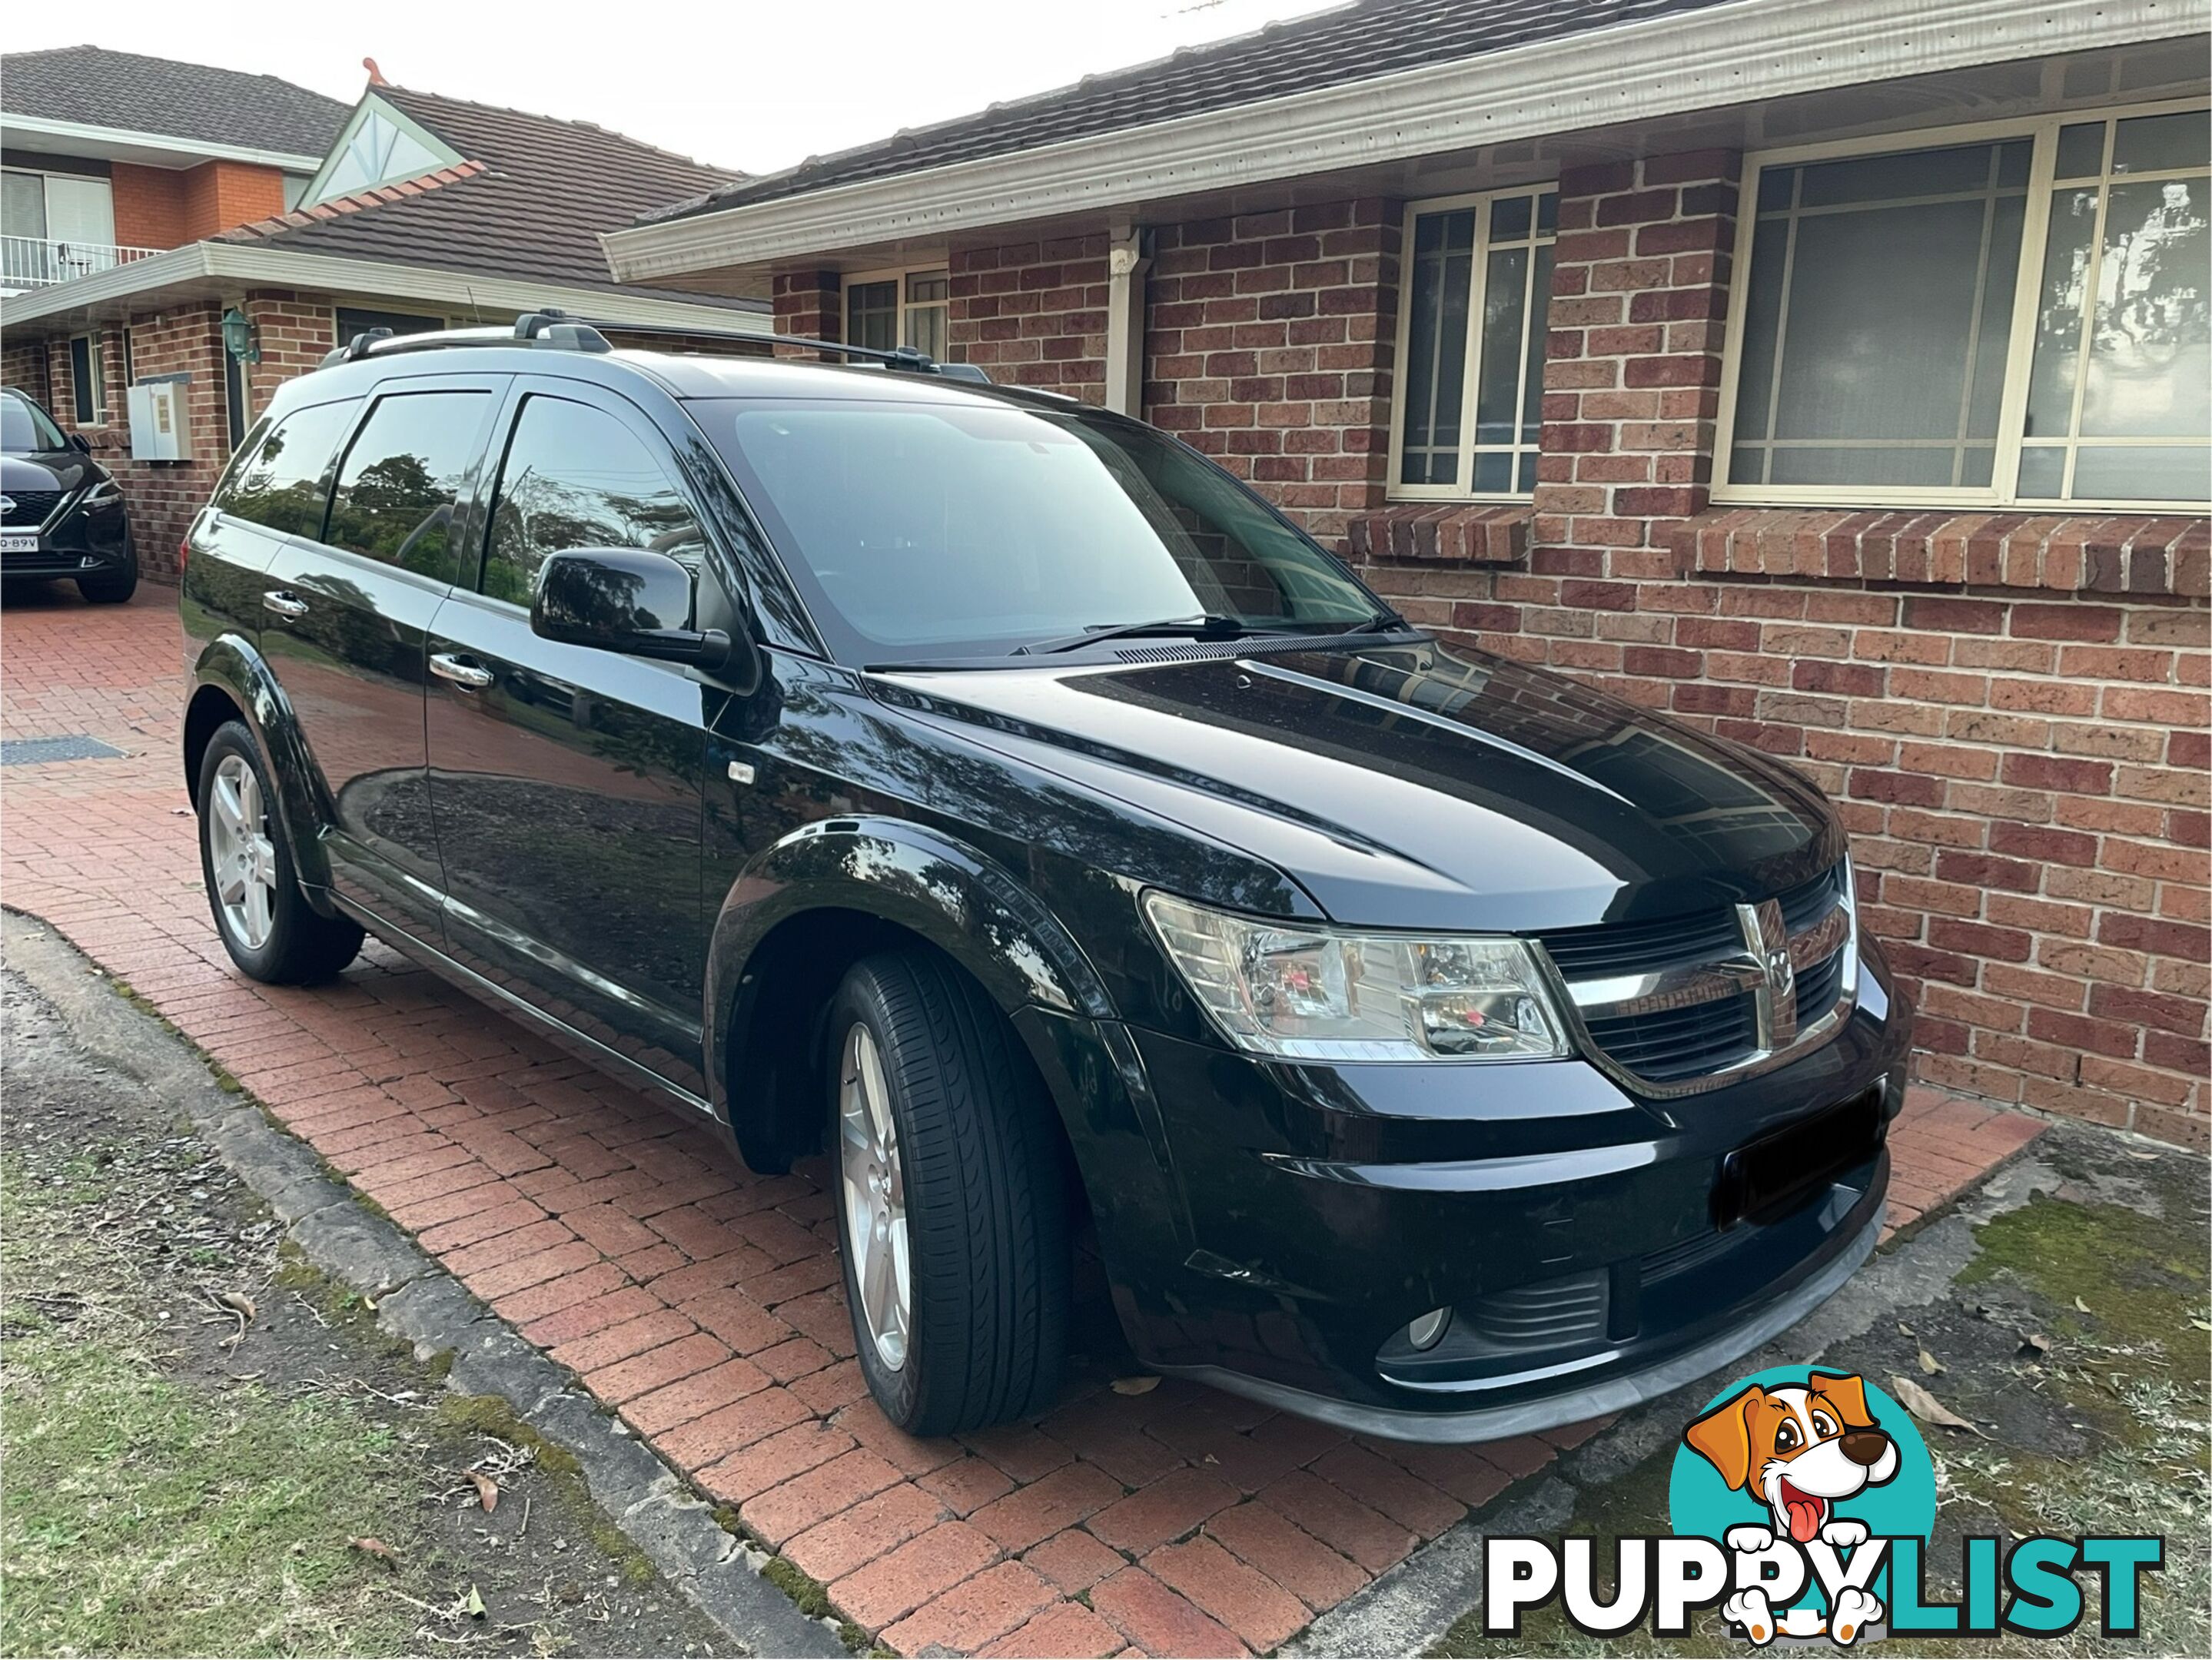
19	541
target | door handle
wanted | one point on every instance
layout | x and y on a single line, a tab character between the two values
461	672
284	603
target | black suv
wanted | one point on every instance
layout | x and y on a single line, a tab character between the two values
61	513
996	795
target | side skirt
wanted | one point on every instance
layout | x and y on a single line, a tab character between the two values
576	1042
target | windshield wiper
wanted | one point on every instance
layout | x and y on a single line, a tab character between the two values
1204	627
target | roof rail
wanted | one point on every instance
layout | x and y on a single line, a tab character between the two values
557	330
896	357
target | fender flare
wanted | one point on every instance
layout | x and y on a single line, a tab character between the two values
232	665
899	871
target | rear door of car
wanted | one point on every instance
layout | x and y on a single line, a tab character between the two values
278	490
345	627
567	781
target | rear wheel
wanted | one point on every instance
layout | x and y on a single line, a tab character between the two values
266	923
949	1192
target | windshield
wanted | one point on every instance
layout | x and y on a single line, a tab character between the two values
924	531
24	427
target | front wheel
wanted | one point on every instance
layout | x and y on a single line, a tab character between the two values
951	1196
266	923
111	587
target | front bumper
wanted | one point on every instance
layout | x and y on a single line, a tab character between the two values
85	541
1594	1250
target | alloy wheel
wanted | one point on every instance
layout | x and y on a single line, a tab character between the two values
241	854
875	1197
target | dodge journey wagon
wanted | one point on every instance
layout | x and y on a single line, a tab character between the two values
995	796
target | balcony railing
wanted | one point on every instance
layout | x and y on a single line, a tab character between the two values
33	262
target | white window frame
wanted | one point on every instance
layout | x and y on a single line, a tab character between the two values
2002	490
1478	279
897	274
99	387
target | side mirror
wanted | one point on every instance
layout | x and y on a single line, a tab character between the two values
628	600
80	443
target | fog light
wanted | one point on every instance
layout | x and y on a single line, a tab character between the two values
1424	1331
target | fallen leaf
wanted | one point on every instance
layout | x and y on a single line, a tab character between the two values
2148	1156
1926	1408
378	1549
1931	1365
1144	1385
473	1604
2081	1305
2036	1343
487	1490
238	1303
1904	1330
2201	1325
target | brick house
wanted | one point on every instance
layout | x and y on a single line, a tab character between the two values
1727	356
112	156
415	211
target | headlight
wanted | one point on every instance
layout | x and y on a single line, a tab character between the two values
100	494
1302	993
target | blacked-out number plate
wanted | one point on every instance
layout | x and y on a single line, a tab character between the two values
1776	1173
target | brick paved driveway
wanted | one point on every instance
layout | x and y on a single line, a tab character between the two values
703	1302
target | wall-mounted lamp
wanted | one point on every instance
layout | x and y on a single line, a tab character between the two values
241	336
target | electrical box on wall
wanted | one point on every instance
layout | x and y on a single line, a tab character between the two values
159	431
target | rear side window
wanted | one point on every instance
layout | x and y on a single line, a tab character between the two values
285	483
576	478
395	494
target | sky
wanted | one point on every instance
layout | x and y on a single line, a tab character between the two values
745	85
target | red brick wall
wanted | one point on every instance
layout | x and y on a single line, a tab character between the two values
165	207
219	196
809	303
149	206
1034	314
1269	346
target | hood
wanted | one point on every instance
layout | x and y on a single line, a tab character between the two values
46	470
1413	786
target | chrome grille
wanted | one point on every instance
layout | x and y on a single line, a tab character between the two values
1682	1004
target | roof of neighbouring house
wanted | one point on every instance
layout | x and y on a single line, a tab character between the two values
528	198
1355	42
94	86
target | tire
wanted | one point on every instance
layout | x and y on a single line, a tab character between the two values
298	945
984	1212
109	587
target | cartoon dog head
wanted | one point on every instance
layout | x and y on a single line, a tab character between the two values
1799	1448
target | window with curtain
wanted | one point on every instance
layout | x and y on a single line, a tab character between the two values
2025	318
887	309
1476	296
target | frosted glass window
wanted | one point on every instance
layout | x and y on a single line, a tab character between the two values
1477	301
1900	338
1877	320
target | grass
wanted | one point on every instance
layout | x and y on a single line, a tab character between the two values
140	1514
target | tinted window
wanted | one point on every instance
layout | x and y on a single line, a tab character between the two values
24	429
394	499
284	482
576	478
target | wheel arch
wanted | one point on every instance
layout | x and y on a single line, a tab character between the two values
233	681
813	904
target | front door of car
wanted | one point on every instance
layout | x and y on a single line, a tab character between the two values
566	781
345	625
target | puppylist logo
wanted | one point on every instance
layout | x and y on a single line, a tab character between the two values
1802	1502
